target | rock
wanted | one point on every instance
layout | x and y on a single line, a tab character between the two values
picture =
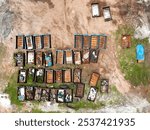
2	2
143	30
6	19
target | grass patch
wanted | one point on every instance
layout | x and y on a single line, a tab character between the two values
58	85
30	78
136	73
114	89
37	111
117	97
12	90
86	105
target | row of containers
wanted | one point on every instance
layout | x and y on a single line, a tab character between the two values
63	94
99	10
50	76
85	41
77	56
46	58
33	41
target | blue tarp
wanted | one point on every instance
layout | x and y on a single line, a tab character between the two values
49	60
140	52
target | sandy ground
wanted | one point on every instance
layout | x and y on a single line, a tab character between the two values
62	19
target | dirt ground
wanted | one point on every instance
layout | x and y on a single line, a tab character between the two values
38	17
62	19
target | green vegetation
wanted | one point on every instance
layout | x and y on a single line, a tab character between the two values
29	66
98	86
86	105
57	85
117	97
30	78
39	79
114	89
12	90
136	73
37	111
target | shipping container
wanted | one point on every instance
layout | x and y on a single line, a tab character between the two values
95	41
107	13
31	75
104	85
22	76
21	93
80	87
47	41
49	76
94	55
29	42
126	41
53	94
48	59
77	57
86	56
59	57
86	41
19	59
39	58
68	96
92	94
68	56
60	96
67	75
95	10
30	93
103	42
39	76
78	43
59	76
38	41
45	94
30	57
94	79
77	75
38	92
20	42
